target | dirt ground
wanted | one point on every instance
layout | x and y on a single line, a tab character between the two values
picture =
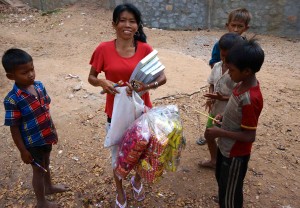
61	44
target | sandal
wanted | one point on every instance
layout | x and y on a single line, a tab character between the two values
137	192
118	204
201	141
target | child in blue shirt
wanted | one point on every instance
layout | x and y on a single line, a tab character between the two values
238	22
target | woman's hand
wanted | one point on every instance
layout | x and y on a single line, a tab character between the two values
129	89
108	87
136	86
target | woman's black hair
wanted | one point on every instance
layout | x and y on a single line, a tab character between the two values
139	35
246	54
14	57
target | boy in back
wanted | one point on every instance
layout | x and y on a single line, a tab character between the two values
239	122
238	22
27	114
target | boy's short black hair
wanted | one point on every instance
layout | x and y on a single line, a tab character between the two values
246	54
14	57
228	40
240	14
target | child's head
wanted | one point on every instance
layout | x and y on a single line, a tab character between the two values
18	66
244	59
226	42
238	20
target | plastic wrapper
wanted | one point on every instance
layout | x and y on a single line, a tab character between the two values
160	132
133	145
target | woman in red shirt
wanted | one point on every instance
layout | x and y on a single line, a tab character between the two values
117	59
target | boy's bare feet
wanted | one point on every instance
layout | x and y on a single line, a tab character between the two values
59	188
207	164
47	204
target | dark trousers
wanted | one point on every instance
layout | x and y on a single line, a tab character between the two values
230	174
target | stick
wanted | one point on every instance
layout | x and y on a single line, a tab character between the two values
177	96
38	165
208	116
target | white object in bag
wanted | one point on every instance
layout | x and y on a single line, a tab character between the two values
126	110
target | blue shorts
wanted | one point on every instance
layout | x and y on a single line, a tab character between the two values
38	153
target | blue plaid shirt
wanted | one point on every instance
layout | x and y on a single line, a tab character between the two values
31	114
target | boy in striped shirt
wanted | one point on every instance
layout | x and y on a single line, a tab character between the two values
239	122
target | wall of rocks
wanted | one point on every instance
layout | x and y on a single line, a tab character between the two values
277	17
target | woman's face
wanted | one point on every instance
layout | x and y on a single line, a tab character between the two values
127	26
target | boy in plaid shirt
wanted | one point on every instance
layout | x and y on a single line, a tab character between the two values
27	114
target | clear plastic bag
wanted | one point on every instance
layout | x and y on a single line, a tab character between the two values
133	145
160	132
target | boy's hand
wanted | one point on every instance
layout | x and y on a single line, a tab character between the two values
214	96
208	105
26	157
219	118
212	133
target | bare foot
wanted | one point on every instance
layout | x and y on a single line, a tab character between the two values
47	204
207	164
59	188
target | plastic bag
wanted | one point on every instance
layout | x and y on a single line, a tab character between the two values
133	145
126	110
161	128
165	146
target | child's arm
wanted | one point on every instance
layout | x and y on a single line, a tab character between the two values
16	135
209	101
215	55
242	136
217	96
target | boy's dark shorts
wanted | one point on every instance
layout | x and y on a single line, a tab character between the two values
38	153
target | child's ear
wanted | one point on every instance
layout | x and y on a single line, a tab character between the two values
248	71
10	76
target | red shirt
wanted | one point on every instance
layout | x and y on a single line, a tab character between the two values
241	113
106	59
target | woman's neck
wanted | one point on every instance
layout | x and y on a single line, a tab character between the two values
124	44
126	48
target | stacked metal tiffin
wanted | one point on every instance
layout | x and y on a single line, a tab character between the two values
148	69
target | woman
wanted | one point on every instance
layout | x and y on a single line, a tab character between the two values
117	59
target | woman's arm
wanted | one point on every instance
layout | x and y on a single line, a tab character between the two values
104	83
161	80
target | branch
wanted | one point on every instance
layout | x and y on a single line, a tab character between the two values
177	96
